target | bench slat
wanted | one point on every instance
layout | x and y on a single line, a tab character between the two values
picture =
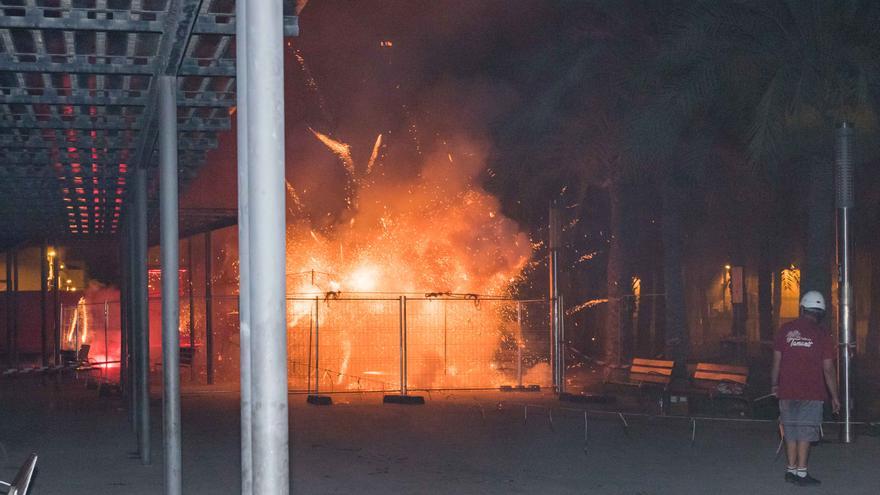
650	370
723	368
649	378
720	377
657	363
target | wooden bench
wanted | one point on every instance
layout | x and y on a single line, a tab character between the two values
721	381
646	374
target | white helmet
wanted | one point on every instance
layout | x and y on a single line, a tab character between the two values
813	300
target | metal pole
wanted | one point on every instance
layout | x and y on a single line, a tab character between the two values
845	203
560	311
9	332
402	315
106	340
15	307
56	293
192	310
519	345
44	289
266	241
209	310
123	317
317	347
142	316
168	212
133	322
244	311
554	294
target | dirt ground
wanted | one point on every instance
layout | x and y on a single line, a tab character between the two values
461	443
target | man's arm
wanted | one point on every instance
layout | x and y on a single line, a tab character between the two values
831	381
774	373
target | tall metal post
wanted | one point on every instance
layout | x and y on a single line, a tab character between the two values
317	347
168	212
266	240
519	344
141	310
402	345
44	289
244	278
10	335
192	308
14	308
124	383
133	321
209	310
560	355
56	313
553	246
843	158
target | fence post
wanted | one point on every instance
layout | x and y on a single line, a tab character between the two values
519	344
104	370
317	346
316	399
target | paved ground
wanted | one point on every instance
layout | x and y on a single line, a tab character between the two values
457	443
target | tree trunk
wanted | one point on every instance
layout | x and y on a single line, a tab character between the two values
677	341
873	339
820	230
644	345
765	295
613	335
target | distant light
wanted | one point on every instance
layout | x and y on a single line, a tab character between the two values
386	44
727	267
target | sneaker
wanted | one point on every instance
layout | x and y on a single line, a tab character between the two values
807	480
790	477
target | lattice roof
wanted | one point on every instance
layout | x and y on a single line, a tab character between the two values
78	103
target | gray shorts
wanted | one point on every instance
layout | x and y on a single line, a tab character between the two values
801	420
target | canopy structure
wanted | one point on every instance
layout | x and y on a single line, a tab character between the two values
78	104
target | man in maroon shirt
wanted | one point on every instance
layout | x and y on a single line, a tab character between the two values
803	365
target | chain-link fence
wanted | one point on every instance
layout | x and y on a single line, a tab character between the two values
339	344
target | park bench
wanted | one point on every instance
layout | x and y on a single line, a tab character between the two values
22	481
644	375
721	383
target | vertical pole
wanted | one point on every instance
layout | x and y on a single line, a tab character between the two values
56	313
15	307
244	288
266	241
123	316
560	311
142	316
44	289
209	309
845	203
133	320
168	212
192	309
106	339
403	356
317	347
554	294
9	332
519	344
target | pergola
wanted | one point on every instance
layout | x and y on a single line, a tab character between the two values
107	106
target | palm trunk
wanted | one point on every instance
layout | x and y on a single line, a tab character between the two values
677	342
820	230
644	345
873	340
613	338
765	294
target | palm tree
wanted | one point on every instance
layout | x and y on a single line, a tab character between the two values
782	74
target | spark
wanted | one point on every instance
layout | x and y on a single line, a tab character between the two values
375	154
587	257
340	149
585	305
